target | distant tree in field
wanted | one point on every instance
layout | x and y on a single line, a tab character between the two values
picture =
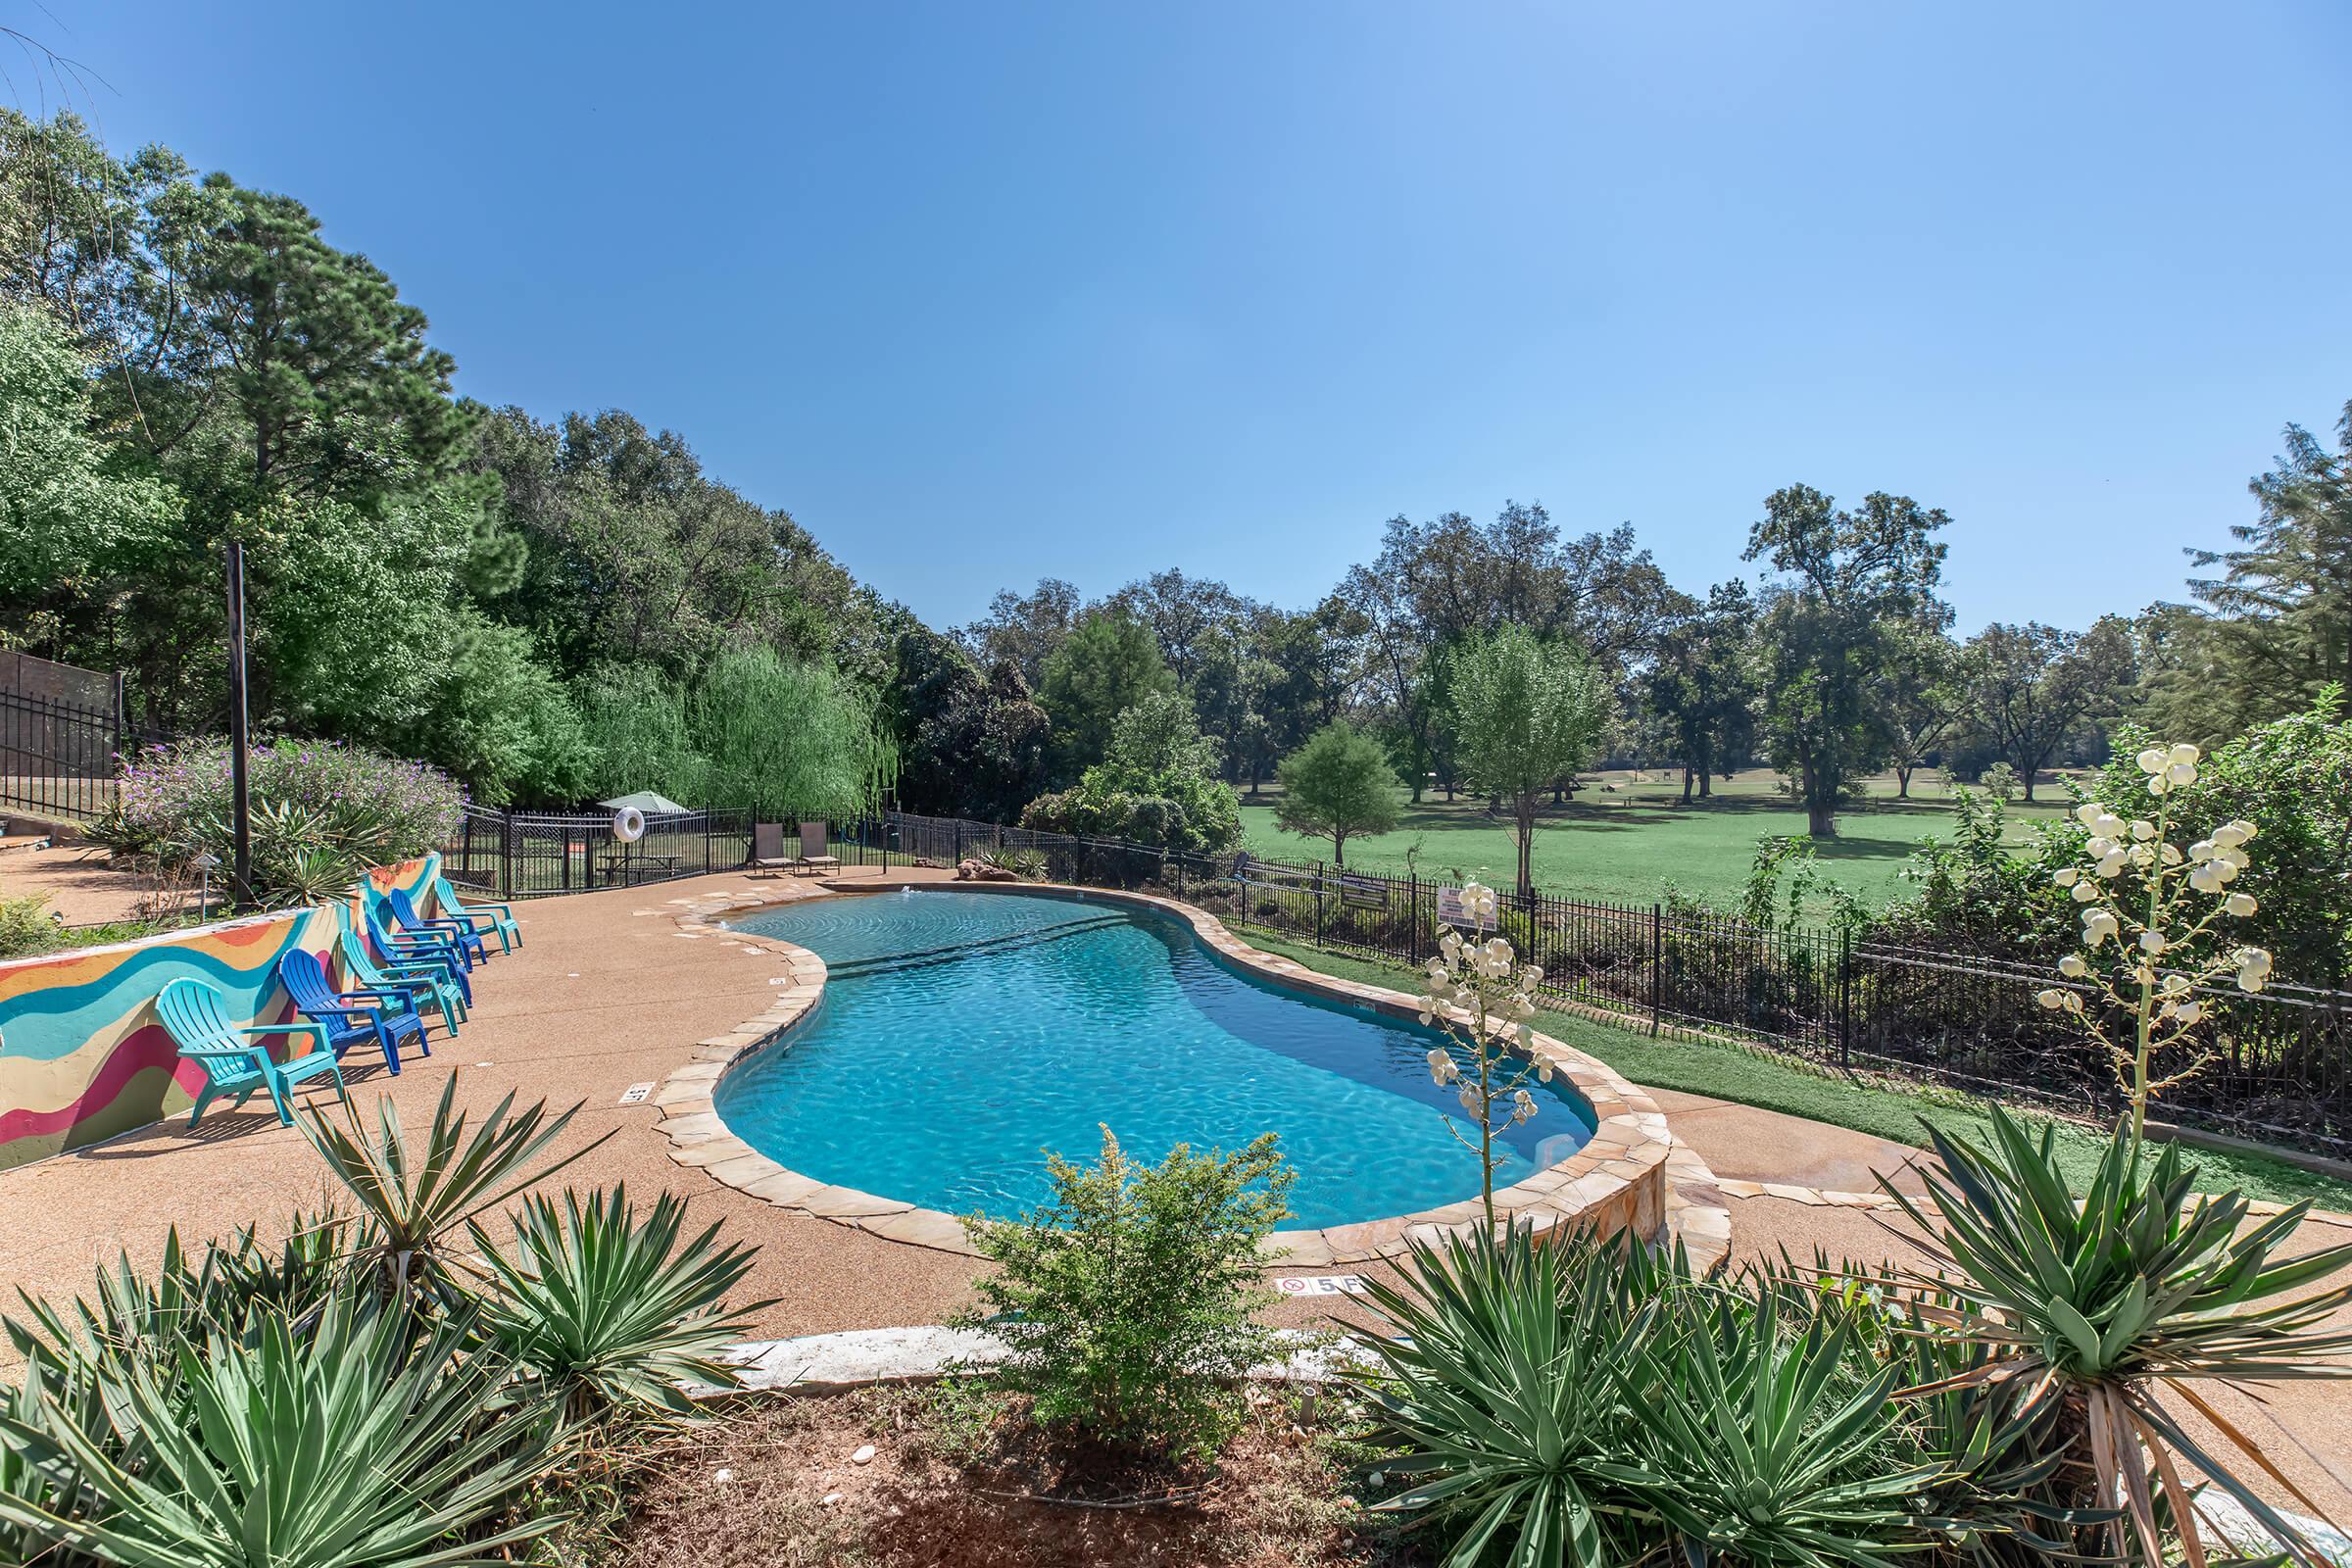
1338	786
1106	665
2275	626
1926	697
1701	687
1850	584
2032	687
1525	713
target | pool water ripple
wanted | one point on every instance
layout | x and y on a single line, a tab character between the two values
960	1035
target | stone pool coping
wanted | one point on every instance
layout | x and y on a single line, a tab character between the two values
1619	1179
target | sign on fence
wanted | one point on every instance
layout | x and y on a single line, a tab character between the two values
1364	892
1450	912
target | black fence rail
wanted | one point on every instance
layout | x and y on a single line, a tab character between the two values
522	854
2281	1061
58	758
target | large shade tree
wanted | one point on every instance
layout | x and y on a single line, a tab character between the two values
1106	665
1851	584
1526	712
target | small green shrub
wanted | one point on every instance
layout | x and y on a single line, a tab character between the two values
25	927
1128	1301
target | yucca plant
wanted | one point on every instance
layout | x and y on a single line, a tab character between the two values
411	1207
1756	1446
1497	1390
1997	1502
351	1439
2099	1311
607	1308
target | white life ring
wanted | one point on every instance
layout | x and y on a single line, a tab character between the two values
629	824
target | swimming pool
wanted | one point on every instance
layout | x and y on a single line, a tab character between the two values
960	1035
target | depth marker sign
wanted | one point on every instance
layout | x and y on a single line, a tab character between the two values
1321	1285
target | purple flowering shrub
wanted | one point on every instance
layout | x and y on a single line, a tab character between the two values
310	799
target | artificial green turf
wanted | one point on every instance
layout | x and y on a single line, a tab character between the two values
1757	1078
1629	846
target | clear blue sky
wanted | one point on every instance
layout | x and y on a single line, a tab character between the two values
985	291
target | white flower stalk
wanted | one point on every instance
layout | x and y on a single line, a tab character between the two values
2143	964
1482	996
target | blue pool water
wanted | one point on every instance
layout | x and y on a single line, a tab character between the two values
961	1035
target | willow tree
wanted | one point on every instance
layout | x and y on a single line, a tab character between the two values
1526	712
786	740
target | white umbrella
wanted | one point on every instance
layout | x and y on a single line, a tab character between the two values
649	802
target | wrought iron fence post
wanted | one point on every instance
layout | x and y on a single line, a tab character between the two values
1657	964
1319	904
1846	1000
1413	916
506	853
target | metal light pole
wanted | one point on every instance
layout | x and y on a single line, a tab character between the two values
240	808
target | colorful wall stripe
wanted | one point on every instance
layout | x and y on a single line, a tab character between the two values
82	1056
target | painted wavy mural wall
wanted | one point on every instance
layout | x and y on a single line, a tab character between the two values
82	1055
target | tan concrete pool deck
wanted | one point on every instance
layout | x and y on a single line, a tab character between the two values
609	992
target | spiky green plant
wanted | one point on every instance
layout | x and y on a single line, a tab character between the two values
409	1207
2100	1311
606	1308
1498	1389
352	1438
1756	1445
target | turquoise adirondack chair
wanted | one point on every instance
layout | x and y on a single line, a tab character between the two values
500	915
421	983
197	1017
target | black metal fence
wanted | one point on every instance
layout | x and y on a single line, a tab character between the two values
57	758
2282	1067
521	855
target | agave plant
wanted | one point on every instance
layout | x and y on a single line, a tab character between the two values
409	1209
1497	1387
348	1440
1752	1445
2097	1312
607	1308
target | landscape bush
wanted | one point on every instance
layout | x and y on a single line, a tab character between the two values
322	812
1128	1303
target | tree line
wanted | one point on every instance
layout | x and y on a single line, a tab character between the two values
557	610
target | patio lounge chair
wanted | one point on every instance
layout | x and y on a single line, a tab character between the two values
767	850
813	855
384	1016
196	1016
430	950
501	916
459	934
420	982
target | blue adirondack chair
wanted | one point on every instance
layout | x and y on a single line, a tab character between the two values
500	915
196	1015
460	933
386	1017
430	948
419	983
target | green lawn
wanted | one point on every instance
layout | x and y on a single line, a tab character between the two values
1625	847
1756	1078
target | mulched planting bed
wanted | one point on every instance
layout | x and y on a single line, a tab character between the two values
958	1479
